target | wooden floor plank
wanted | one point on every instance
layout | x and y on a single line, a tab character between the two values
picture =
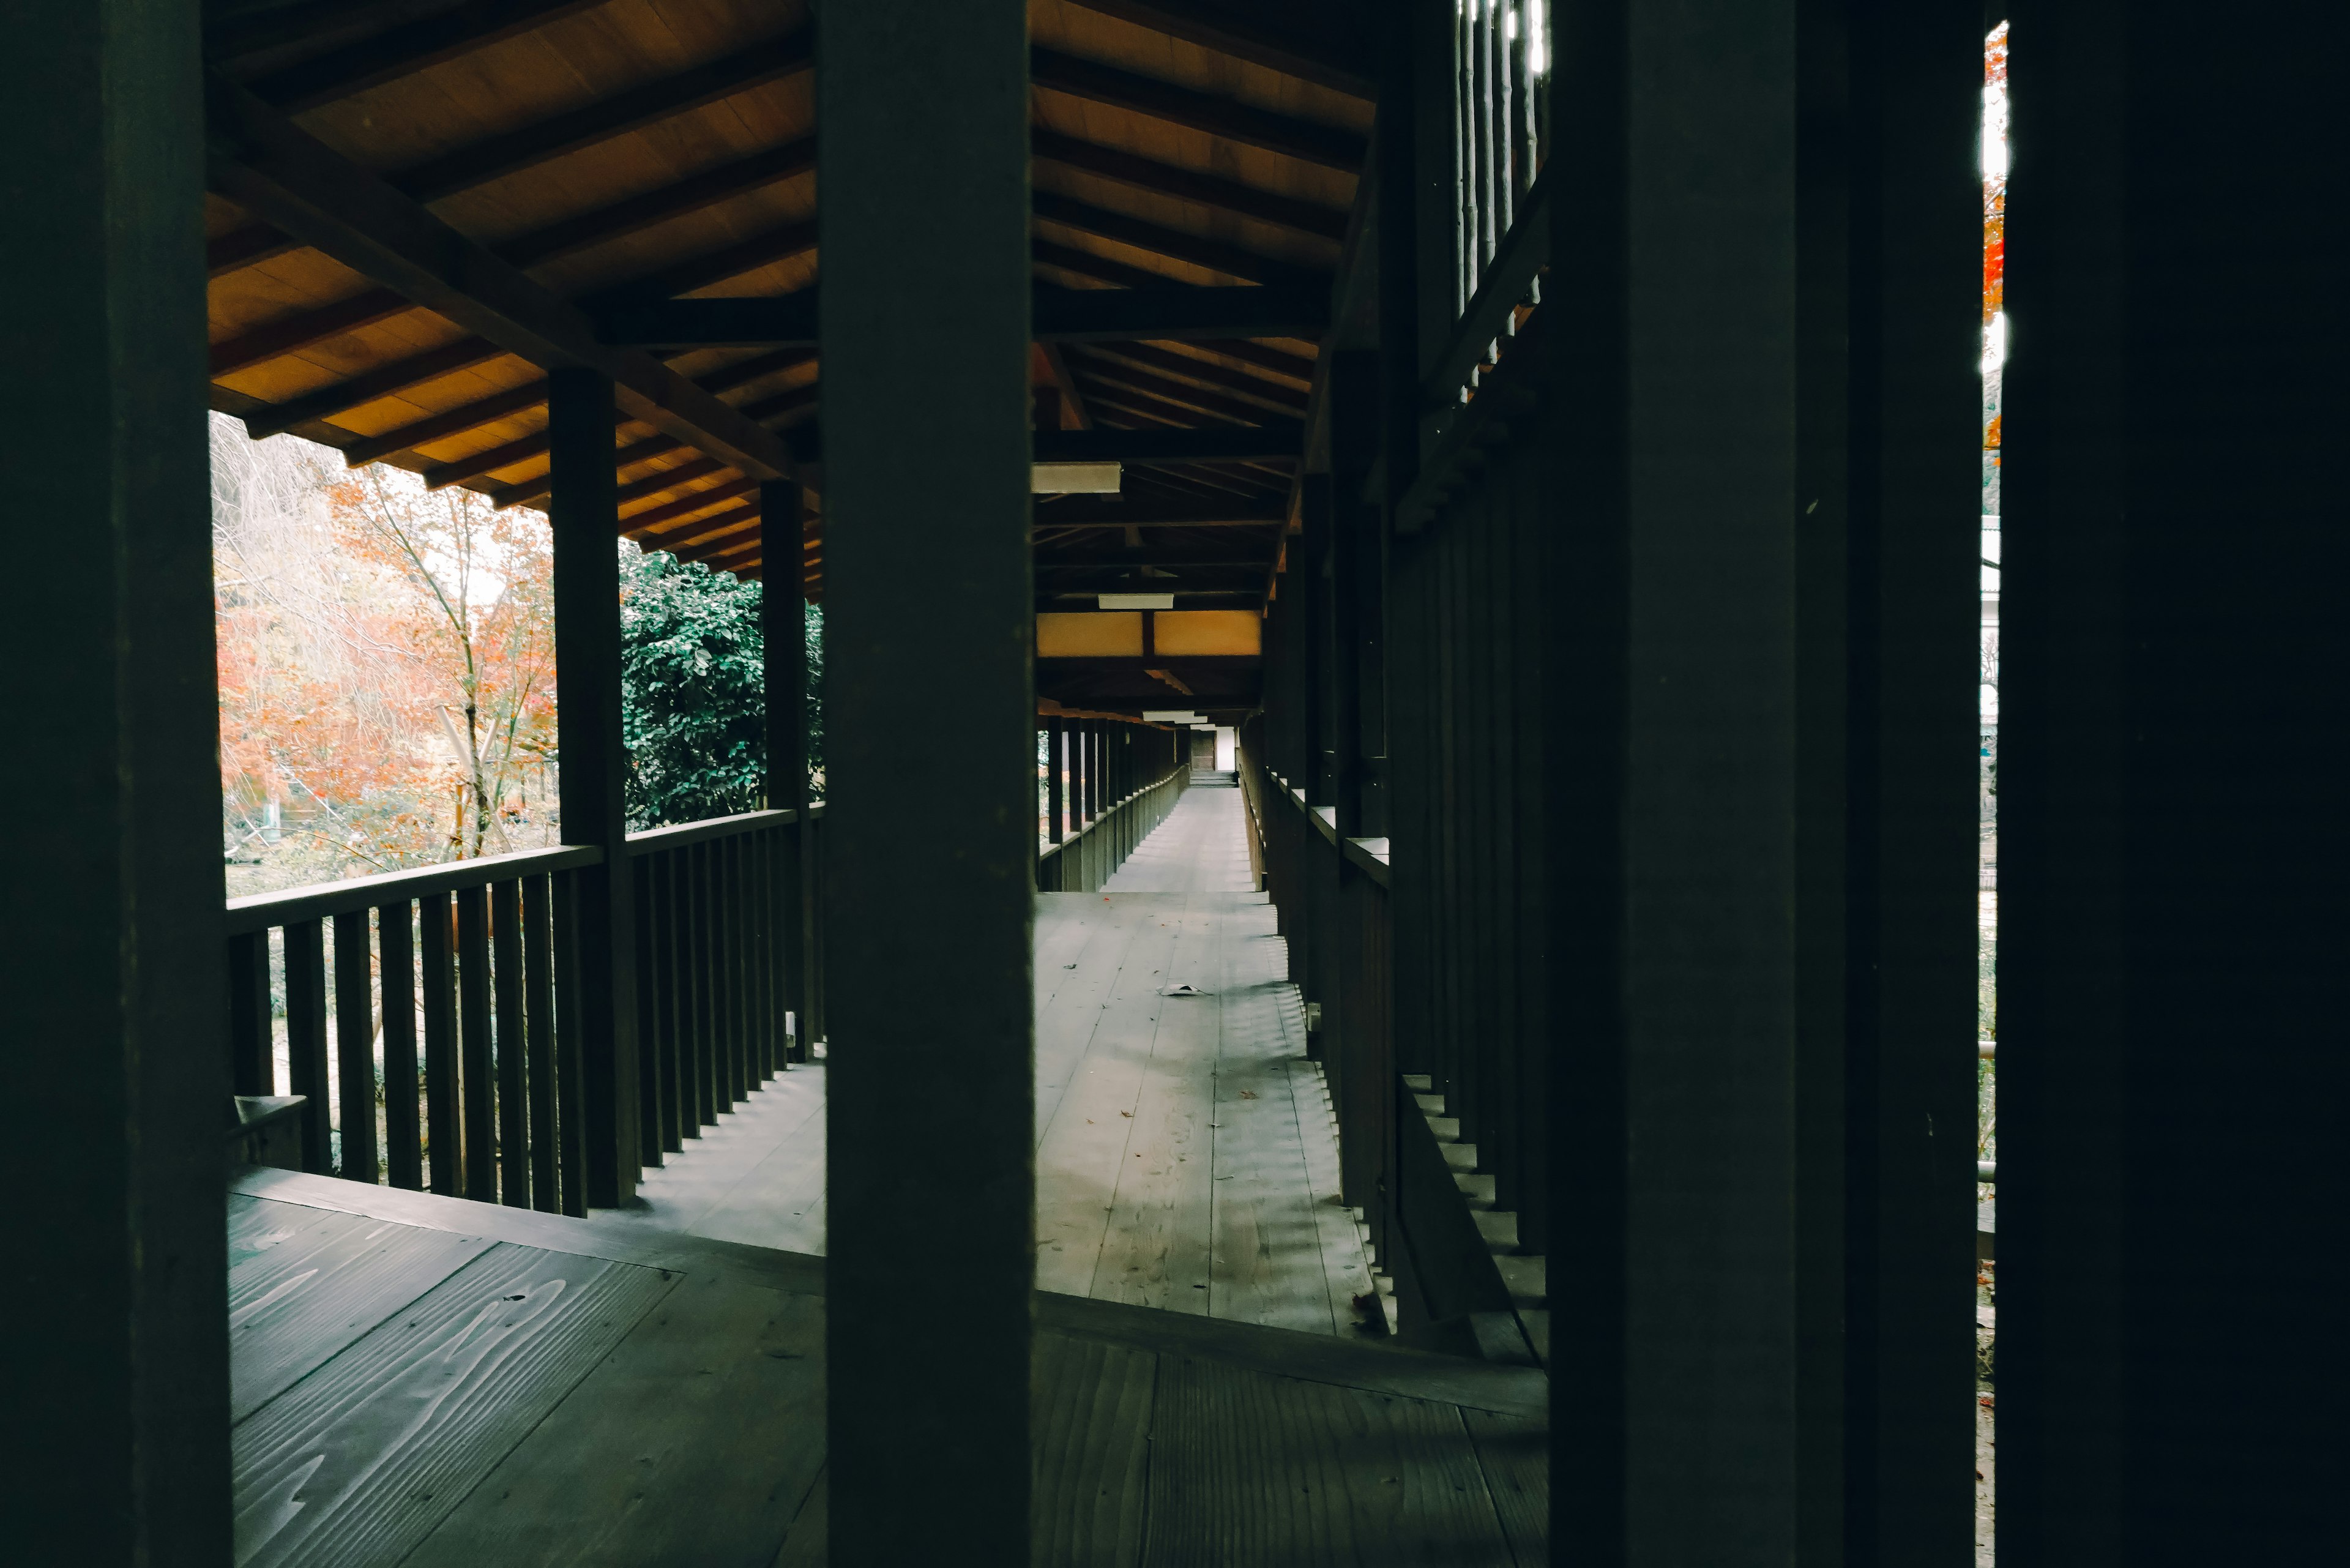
332	1278
1084	1148
1268	1248
763	1145
1067	1020
694	1441
1250	1468
1091	1426
1514	1453
1200	848
1156	1251
356	1463
809	1542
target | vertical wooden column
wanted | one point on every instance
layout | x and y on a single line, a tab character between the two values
783	609
2172	838
1055	809
111	954
582	508
931	1095
1671	657
1890	213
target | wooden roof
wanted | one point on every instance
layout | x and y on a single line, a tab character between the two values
611	152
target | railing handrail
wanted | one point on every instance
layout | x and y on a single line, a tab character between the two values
1506	281
261	911
1370	855
1055	847
677	835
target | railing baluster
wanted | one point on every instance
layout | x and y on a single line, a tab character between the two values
571	1106
477	1094
676	1011
738	990
710	1087
763	909
354	1044
306	1038
658	873
538	1025
650	1097
396	960
514	1105
253	1068
443	1137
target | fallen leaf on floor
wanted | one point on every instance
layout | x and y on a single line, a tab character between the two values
1068	966
1126	1113
1248	1094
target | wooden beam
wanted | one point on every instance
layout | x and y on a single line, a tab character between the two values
1172	312
1316	51
1278	397
1216	255
372	386
1275	438
632	109
292	334
1111	372
398	52
1327	146
533	394
1188	184
688	504
1071	397
1106	511
1060	315
1281	362
261	160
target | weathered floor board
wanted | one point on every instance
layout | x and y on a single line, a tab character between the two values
358	1461
320	1287
1185	1158
598	1392
1247	1468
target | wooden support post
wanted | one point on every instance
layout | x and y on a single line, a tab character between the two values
931	1092
584	516
1670	503
112	957
782	608
1887	210
2172	838
1056	741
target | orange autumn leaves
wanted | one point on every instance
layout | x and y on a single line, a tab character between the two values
386	663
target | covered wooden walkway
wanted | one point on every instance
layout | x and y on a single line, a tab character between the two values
1186	1154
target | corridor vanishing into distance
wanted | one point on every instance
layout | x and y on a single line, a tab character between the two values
1185	1154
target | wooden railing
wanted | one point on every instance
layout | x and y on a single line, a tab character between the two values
1500	142
483	955
462	981
1330	895
726	972
1082	862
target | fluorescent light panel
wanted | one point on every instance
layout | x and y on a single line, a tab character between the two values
1138	601
1073	479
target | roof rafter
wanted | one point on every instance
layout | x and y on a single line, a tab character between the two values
402	51
1187	184
631	110
1304	140
1216	255
1314	55
263	161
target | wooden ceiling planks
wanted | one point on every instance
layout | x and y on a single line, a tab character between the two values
667	143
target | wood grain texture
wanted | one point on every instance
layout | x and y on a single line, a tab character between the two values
1514	1453
1090	1421
809	1543
1248	1468
694	1441
326	1280
359	1461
